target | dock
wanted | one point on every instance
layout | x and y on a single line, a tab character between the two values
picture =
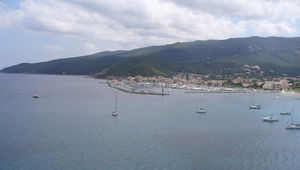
131	90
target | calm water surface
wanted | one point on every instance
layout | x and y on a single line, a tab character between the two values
71	127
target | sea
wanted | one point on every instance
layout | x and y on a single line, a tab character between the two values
71	127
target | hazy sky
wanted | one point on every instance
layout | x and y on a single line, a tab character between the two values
39	30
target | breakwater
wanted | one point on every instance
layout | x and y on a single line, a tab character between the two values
131	90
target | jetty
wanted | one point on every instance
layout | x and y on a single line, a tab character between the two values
128	89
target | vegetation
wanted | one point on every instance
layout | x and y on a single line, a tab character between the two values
274	56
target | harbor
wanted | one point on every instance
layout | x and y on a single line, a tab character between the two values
163	89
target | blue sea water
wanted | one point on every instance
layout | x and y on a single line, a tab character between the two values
71	127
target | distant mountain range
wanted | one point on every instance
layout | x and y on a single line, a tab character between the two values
274	56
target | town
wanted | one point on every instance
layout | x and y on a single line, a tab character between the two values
196	83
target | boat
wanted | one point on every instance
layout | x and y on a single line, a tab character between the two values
253	105
35	93
270	118
285	113
293	125
115	112
201	110
284	110
36	96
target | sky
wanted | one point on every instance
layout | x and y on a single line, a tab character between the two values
42	30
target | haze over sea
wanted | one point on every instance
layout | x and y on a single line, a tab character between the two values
71	127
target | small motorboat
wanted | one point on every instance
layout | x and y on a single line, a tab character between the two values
270	118
285	113
255	107
36	96
201	110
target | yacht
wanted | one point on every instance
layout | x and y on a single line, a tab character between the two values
201	110
253	105
293	126
285	113
270	118
115	112
284	110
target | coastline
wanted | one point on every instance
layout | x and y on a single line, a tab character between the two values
187	88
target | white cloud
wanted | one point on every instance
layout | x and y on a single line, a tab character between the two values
272	10
4	15
53	48
136	23
90	48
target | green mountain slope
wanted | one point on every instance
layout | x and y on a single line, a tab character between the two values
274	55
84	65
145	66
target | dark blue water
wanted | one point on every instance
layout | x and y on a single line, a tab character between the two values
71	127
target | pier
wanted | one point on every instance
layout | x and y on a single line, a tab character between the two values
131	90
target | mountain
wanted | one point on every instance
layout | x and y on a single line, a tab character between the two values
271	56
83	65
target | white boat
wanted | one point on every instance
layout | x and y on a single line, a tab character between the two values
115	112
284	110
253	105
285	113
201	110
293	126
270	118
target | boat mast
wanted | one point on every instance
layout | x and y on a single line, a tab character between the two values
253	99
116	102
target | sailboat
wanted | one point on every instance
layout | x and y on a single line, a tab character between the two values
115	112
201	110
293	125
253	105
284	110
35	94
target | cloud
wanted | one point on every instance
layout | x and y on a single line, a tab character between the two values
53	48
4	15
136	23
272	10
90	48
